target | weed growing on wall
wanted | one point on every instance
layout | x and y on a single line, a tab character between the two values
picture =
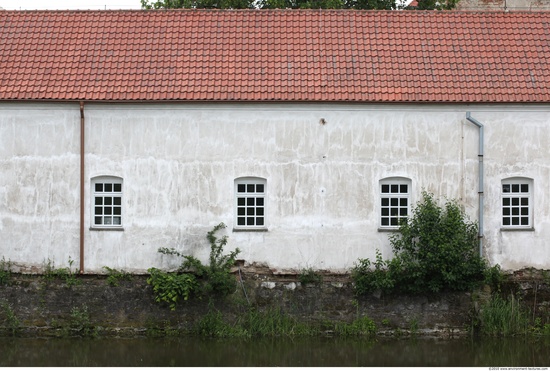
5	271
503	317
80	322
308	275
435	249
11	322
193	277
66	274
114	276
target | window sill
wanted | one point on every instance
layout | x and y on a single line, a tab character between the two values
119	229
249	229
517	229
388	229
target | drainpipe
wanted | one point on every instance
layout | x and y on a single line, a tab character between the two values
480	192
81	187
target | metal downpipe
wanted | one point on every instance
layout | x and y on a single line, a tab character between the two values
480	191
82	127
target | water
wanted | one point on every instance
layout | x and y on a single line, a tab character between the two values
267	352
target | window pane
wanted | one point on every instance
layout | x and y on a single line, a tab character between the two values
515	211
385	211
259	221
249	211
525	188
385	202
260	188
524	201
515	201
403	188
99	187
108	187
107	200
394	211
108	210
506	211
524	211
241	201
240	211
98	220
515	221
394	222
505	221
385	221
259	202
515	188
240	221
117	220
250	201
117	187
506	188
117	211
403	211
260	211
250	188
99	201
524	221
394	202
107	220
402	202
241	188
250	221
506	201
385	188
98	210
117	200
394	188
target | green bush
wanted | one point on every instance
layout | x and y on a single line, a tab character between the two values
171	287
193	277
435	249
216	276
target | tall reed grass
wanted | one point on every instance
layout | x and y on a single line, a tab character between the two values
504	317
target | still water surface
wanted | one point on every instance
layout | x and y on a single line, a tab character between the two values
335	352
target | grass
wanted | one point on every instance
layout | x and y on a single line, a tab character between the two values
504	317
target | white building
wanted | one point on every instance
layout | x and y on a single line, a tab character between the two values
308	133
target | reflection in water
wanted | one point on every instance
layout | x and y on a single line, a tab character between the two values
274	352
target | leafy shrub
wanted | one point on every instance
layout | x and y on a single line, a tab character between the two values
170	287
66	274
193	277
435	249
216	277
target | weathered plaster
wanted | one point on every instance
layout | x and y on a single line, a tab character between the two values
322	164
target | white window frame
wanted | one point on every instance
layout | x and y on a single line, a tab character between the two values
393	192
250	204
517	203
107	210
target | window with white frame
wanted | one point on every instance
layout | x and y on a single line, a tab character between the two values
250	196
106	202
517	201
394	201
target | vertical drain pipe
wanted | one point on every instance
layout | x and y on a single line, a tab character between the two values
480	192
82	187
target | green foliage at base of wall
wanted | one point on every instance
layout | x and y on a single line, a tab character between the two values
8	318
436	249
5	271
195	278
170	287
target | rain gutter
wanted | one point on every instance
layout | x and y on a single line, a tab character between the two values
480	191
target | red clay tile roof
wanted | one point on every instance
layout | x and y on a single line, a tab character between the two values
275	55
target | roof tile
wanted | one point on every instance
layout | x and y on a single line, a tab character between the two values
275	55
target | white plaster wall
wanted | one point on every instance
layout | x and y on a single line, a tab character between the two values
179	162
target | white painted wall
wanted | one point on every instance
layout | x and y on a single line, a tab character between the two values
179	162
